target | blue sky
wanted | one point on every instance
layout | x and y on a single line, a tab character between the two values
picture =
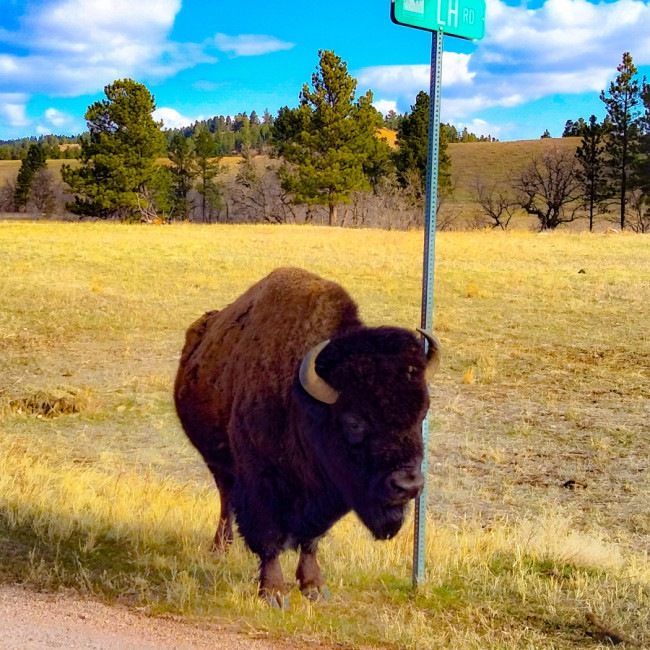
539	64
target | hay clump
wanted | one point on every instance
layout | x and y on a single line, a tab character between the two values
47	404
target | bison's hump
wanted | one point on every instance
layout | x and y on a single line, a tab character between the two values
254	345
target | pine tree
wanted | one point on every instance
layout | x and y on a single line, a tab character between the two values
413	148
592	167
622	104
183	172
642	176
392	120
118	159
208	167
572	129
32	162
329	140
243	132
266	128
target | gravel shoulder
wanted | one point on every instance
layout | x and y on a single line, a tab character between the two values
31	620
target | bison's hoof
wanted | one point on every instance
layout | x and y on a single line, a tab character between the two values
276	601
316	594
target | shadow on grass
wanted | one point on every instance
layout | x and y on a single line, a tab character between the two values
175	573
164	573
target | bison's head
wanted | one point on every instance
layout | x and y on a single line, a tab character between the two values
371	396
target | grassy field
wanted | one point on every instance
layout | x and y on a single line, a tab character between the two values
539	513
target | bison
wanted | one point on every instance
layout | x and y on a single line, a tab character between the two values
302	414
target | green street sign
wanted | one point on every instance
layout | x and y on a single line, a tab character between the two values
462	18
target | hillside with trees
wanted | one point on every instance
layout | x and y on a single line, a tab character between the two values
335	160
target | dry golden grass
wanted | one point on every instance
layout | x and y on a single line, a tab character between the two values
9	168
390	136
494	162
539	486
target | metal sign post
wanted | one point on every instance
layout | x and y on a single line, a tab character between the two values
427	283
465	19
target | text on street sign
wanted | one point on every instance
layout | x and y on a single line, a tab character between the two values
462	18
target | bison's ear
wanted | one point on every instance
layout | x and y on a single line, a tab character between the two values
316	386
434	352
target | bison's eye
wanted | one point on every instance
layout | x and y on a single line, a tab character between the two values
354	428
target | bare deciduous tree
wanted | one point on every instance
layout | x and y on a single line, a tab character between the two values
496	204
7	194
45	194
639	212
548	188
257	194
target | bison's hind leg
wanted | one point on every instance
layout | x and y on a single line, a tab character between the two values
310	578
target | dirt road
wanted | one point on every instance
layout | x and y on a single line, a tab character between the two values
30	620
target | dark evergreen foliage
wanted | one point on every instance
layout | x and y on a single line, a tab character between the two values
413	146
230	134
642	171
118	173
454	135
32	162
592	171
183	171
622	102
210	190
572	129
330	142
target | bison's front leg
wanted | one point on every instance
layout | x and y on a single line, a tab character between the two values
312	583
272	587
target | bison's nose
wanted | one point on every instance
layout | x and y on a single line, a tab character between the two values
405	484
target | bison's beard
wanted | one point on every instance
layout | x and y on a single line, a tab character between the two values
383	522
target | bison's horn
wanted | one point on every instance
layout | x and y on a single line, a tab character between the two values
433	352
316	386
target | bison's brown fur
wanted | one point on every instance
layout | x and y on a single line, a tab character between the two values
285	463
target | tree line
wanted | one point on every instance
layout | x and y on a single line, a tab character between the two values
54	146
326	161
231	136
608	176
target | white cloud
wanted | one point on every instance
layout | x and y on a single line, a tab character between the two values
385	106
568	30
250	44
407	77
56	121
79	46
562	47
172	119
13	114
455	69
57	118
480	127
